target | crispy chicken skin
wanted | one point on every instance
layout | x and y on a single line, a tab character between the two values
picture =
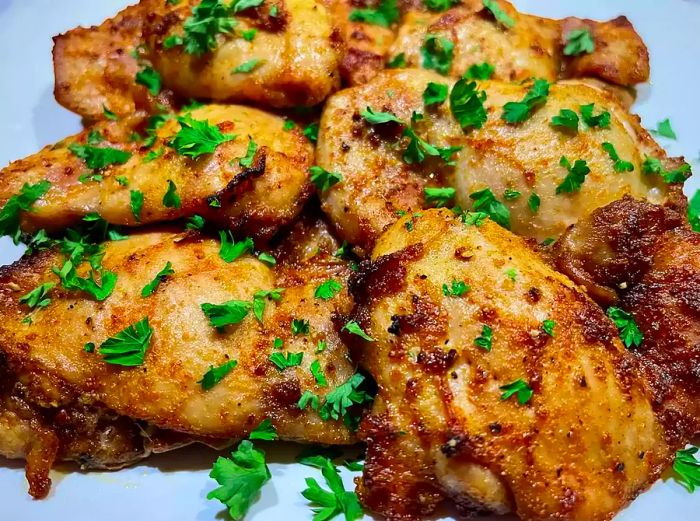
165	391
585	444
524	157
644	259
300	49
255	200
94	67
533	47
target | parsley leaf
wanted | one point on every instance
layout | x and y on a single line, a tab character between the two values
342	398
618	164
485	201
328	289
652	165
311	132
439	196
136	203
456	289
196	222
128	347
209	19
479	71
71	281
107	114
566	118
499	14
694	211
397	62
247	161
418	148
519	111
197	138
317	373
533	202
265	431
354	328
149	288
309	398
435	93
337	501
579	41
630	334
228	313
377	118
10	213
248	66
663	128
171	199
249	34
602	120
520	388
153	155
230	250
440	5
150	79
548	327
300	326
267	258
510	195
38	297
242	5
576	176
215	374
484	341
437	53
97	158
467	104
240	478
291	360
260	298
323	179
687	468
386	13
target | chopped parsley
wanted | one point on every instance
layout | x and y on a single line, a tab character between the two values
328	289
153	155
439	196
499	14
576	176
437	53
440	5
630	334
512	274
397	62
149	288
107	114
479	71
317	373
311	132
457	288
149	78
282	362
602	120
321	346
418	148
267	258
694	211
652	165
300	326
323	179
467	104
664	129
97	158
687	468
171	199
89	347
520	389
378	118
309	398
22	202
196	222
265	431
38	297
230	250
485	339
240	478
474	218
533	202
566	118
99	291
197	138
519	111
618	164
249	34
548	327
248	66
209	19
228	313
510	195
485	201
385	14
261	297
128	347
435	93
136	204
579	41
215	374
341	399
335	501
354	328
247	160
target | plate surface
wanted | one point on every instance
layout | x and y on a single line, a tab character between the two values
174	487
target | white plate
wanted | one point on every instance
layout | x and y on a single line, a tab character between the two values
173	487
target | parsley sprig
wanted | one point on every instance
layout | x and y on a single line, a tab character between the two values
576	176
197	138
336	500
22	202
687	468
630	334
467	104
128	347
519	111
485	202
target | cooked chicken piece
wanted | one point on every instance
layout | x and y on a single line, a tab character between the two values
645	260
525	157
255	199
166	390
512	393
96	67
532	47
297	49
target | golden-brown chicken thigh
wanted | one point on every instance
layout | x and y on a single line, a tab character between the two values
501	385
256	196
